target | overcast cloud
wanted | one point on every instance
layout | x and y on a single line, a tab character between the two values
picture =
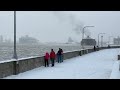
50	26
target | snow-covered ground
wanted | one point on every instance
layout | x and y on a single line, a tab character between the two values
96	65
115	71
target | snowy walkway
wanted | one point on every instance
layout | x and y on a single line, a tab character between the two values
115	71
97	65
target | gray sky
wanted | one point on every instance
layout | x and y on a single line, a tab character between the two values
50	26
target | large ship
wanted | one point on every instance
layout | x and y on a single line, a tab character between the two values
88	41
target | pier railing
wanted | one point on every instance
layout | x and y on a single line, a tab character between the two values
14	67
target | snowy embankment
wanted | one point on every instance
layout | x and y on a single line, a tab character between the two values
96	65
115	71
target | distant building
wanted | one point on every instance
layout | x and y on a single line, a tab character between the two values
117	41
27	40
1	39
88	41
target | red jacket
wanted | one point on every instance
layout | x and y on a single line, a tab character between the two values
47	56
52	55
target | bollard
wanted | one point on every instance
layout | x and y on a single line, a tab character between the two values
119	65
119	61
118	57
16	67
80	53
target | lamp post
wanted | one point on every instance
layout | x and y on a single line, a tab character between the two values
15	53
101	41
83	31
98	38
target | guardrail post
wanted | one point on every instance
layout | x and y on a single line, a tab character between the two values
118	57
119	61
16	67
80	53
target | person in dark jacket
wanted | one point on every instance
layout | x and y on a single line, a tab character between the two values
94	48
52	57
46	58
59	56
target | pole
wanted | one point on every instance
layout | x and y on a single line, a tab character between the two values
101	41
83	33
98	38
15	54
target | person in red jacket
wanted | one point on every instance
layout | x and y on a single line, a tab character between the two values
52	57
46	58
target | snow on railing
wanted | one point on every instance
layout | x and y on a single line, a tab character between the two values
8	60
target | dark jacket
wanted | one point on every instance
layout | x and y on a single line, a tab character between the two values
94	48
